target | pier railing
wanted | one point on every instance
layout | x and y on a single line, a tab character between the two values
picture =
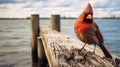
51	48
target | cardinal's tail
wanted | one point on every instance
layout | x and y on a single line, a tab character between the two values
105	51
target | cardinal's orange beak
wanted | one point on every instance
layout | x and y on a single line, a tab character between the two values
89	16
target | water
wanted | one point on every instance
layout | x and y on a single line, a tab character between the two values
15	36
15	43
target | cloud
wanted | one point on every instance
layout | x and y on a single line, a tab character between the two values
11	1
70	8
18	1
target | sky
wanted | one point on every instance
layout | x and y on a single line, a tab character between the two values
65	8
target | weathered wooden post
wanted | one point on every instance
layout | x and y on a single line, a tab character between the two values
35	34
55	22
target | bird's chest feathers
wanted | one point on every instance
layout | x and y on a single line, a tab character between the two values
85	31
85	28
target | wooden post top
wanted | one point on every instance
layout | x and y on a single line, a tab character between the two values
55	22
34	14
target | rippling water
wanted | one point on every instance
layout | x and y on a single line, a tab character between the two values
15	43
15	36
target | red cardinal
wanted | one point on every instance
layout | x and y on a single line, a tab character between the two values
88	32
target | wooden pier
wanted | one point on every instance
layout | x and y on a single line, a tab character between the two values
51	48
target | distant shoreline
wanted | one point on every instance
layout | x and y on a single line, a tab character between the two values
61	18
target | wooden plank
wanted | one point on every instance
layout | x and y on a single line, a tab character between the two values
49	53
77	44
42	60
62	51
